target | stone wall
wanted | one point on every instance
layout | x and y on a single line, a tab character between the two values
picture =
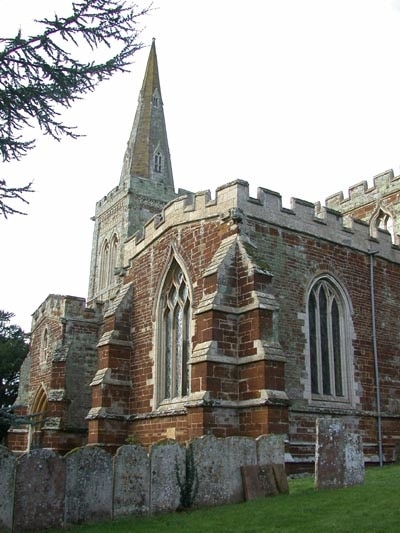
41	489
57	373
250	264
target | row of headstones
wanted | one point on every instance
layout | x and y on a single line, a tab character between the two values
40	489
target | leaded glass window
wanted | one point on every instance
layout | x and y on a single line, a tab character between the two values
326	338
175	335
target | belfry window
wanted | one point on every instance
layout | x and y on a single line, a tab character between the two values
113	258
327	317
175	336
104	265
157	162
108	260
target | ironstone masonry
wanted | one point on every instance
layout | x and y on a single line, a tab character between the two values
225	315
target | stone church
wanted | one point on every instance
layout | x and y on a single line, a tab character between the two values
223	315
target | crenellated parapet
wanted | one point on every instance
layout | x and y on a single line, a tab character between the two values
232	203
60	307
384	185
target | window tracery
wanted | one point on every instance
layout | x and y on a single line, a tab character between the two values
174	345
329	341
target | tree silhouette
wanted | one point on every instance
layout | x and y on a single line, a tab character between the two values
39	75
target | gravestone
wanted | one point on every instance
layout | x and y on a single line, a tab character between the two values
167	472
218	463
88	488
258	481
7	470
339	460
39	491
271	449
264	480
131	481
281	478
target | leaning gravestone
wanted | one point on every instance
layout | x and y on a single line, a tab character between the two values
88	489
131	481
339	460
7	469
39	491
258	481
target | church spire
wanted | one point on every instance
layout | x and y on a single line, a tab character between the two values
146	186
147	154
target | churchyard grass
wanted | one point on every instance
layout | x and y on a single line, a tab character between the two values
372	507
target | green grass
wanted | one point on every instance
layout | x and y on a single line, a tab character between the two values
372	507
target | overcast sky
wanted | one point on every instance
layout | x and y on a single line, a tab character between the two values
297	96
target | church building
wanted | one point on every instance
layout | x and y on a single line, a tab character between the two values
220	314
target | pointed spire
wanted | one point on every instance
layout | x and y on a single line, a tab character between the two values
147	154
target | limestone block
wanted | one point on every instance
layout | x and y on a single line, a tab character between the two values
7	469
131	481
88	491
167	469
39	491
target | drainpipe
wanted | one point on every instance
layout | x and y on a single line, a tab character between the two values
375	350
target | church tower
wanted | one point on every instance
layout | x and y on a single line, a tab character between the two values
145	186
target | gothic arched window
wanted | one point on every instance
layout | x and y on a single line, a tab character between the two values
174	345
328	320
108	262
39	408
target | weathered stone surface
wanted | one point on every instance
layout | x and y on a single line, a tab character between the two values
39	491
7	469
268	480
339	458
271	449
218	463
263	480
131	481
354	460
167	471
251	482
88	490
281	478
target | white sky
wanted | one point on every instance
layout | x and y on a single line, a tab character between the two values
298	96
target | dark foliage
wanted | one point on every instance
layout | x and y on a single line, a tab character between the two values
13	350
39	75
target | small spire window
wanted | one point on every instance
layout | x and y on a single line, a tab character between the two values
155	101
158	162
